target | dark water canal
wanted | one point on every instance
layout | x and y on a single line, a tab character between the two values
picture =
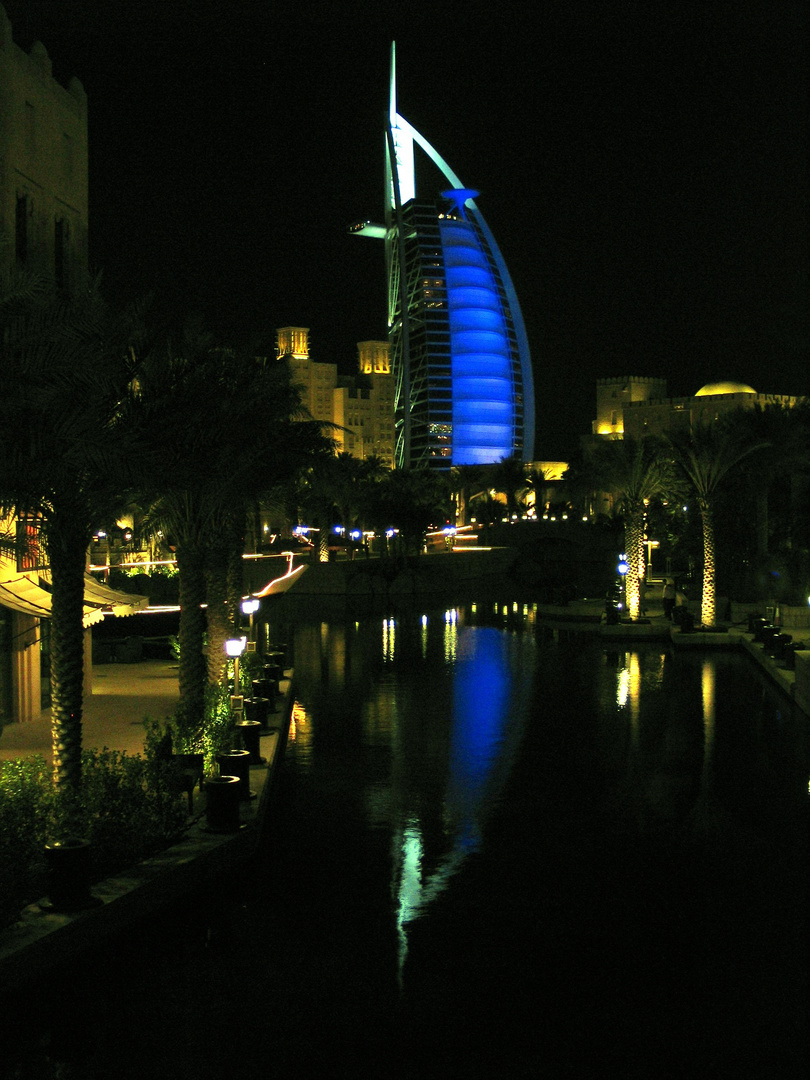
498	850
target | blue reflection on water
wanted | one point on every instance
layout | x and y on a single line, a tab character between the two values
481	695
488	707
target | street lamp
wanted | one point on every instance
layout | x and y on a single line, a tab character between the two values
234	647
250	607
621	570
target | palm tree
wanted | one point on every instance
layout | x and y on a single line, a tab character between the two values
413	500
467	482
706	457
784	436
65	370
508	476
536	481
635	471
224	428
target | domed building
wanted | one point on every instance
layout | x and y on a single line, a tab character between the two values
718	389
633	406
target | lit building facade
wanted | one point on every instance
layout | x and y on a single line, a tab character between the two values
633	406
43	229
43	164
464	391
614	395
361	406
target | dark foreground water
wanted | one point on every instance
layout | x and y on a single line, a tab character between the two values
497	850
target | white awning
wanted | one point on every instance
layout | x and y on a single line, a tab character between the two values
24	593
26	596
110	600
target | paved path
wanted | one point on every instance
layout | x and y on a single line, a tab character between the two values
123	696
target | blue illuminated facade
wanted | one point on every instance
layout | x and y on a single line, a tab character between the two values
459	353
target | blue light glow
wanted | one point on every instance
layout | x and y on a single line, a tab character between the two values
483	395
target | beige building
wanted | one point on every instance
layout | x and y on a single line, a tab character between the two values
633	406
361	406
613	396
43	164
43	228
660	415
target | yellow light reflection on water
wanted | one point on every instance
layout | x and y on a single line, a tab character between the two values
424	636
300	732
388	639
628	683
450	635
708	691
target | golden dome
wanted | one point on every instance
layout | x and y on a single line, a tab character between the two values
713	389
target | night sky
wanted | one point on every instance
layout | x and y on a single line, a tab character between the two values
642	166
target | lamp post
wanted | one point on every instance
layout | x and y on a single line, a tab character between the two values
249	608
622	569
234	647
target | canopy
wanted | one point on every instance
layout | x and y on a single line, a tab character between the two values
25	593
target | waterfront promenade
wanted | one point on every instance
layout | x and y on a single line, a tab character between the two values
123	695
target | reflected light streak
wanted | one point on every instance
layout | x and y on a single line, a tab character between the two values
450	636
388	639
628	687
413	894
708	689
300	732
424	636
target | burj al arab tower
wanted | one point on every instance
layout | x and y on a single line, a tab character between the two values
459	353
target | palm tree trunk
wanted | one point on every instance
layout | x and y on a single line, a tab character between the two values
236	571
634	543
192	674
67	549
708	601
218	612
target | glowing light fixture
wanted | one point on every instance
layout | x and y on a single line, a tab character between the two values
234	647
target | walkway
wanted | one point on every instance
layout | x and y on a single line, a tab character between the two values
123	696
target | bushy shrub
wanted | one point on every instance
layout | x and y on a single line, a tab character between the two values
251	667
213	735
26	800
127	810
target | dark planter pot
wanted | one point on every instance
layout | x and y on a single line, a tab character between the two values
779	645
277	653
237	763
755	622
67	865
264	688
250	733
276	656
222	803
273	674
258	709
